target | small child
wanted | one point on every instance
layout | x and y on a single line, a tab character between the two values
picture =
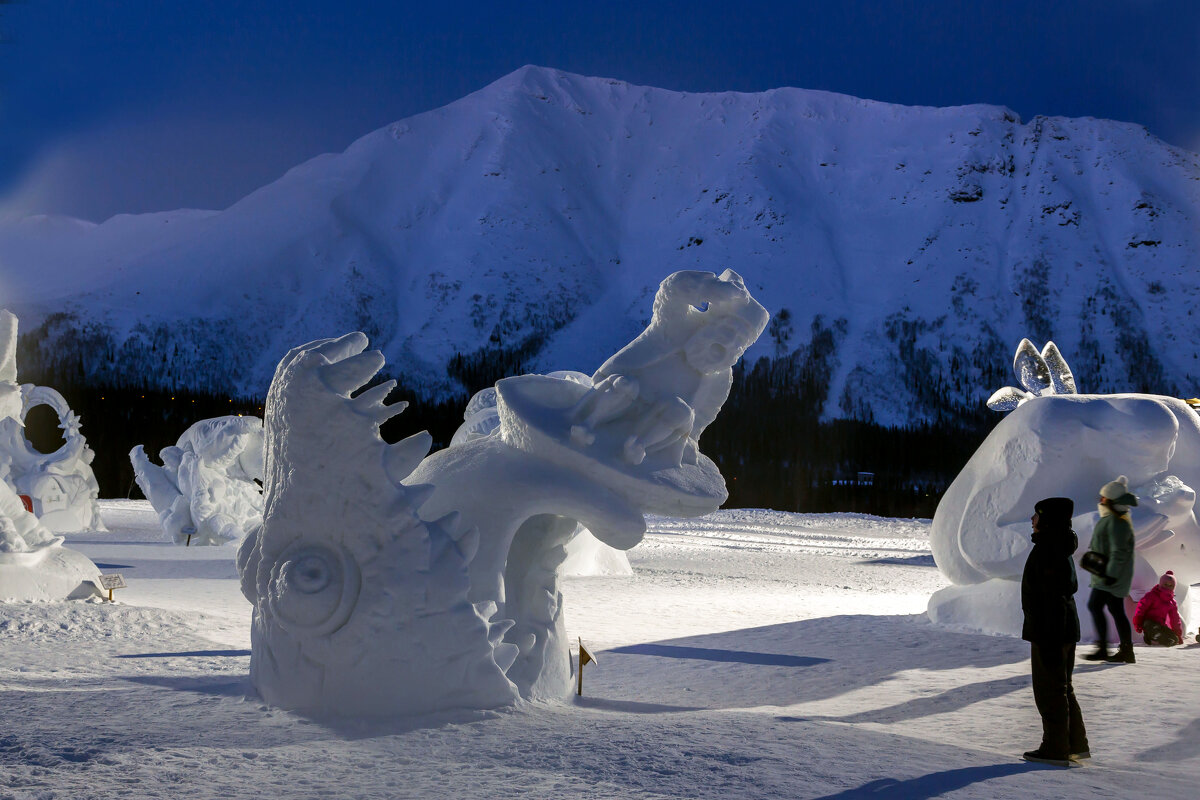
1158	615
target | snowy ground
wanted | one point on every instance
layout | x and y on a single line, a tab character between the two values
753	654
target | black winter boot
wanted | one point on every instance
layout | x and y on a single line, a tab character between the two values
1101	654
1044	756
1124	655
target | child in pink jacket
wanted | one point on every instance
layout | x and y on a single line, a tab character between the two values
1158	615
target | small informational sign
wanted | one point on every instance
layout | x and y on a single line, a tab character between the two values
114	581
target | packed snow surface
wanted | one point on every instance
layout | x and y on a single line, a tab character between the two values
752	654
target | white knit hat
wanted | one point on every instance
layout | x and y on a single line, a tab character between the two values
1118	492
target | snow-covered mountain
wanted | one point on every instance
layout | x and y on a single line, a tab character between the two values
537	216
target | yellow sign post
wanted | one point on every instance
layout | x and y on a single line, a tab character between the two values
110	582
584	658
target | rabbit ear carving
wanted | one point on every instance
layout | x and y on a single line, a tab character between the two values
1031	369
1061	378
1041	374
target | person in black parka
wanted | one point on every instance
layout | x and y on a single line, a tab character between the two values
1051	627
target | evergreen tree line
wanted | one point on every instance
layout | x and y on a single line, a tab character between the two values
776	452
769	440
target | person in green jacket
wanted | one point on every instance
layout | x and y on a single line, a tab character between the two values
1113	538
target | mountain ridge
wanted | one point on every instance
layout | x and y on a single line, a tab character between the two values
533	219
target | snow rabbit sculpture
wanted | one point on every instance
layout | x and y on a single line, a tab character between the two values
1056	442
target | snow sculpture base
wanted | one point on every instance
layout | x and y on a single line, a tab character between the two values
384	584
34	566
1069	445
47	574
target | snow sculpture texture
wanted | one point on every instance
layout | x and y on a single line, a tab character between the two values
384	584
1060	443
34	566
205	493
585	554
61	484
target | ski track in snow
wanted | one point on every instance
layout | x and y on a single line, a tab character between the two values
753	654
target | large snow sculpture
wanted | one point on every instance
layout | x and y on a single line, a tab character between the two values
585	554
1059	443
61	485
365	607
206	492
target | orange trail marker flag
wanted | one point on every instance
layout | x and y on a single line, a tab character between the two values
584	658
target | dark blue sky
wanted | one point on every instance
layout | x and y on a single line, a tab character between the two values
113	106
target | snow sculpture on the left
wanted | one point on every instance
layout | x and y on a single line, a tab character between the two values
61	485
206	491
363	606
34	566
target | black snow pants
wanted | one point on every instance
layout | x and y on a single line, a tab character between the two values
1097	602
1063	732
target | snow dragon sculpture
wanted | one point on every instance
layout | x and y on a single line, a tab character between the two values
1057	442
205	493
387	583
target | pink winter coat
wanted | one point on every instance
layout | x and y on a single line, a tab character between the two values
1159	605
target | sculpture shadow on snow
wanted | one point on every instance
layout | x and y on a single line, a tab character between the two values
839	654
1185	746
710	654
189	654
935	784
953	699
219	685
630	706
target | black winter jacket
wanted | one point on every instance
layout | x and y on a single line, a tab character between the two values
1048	584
